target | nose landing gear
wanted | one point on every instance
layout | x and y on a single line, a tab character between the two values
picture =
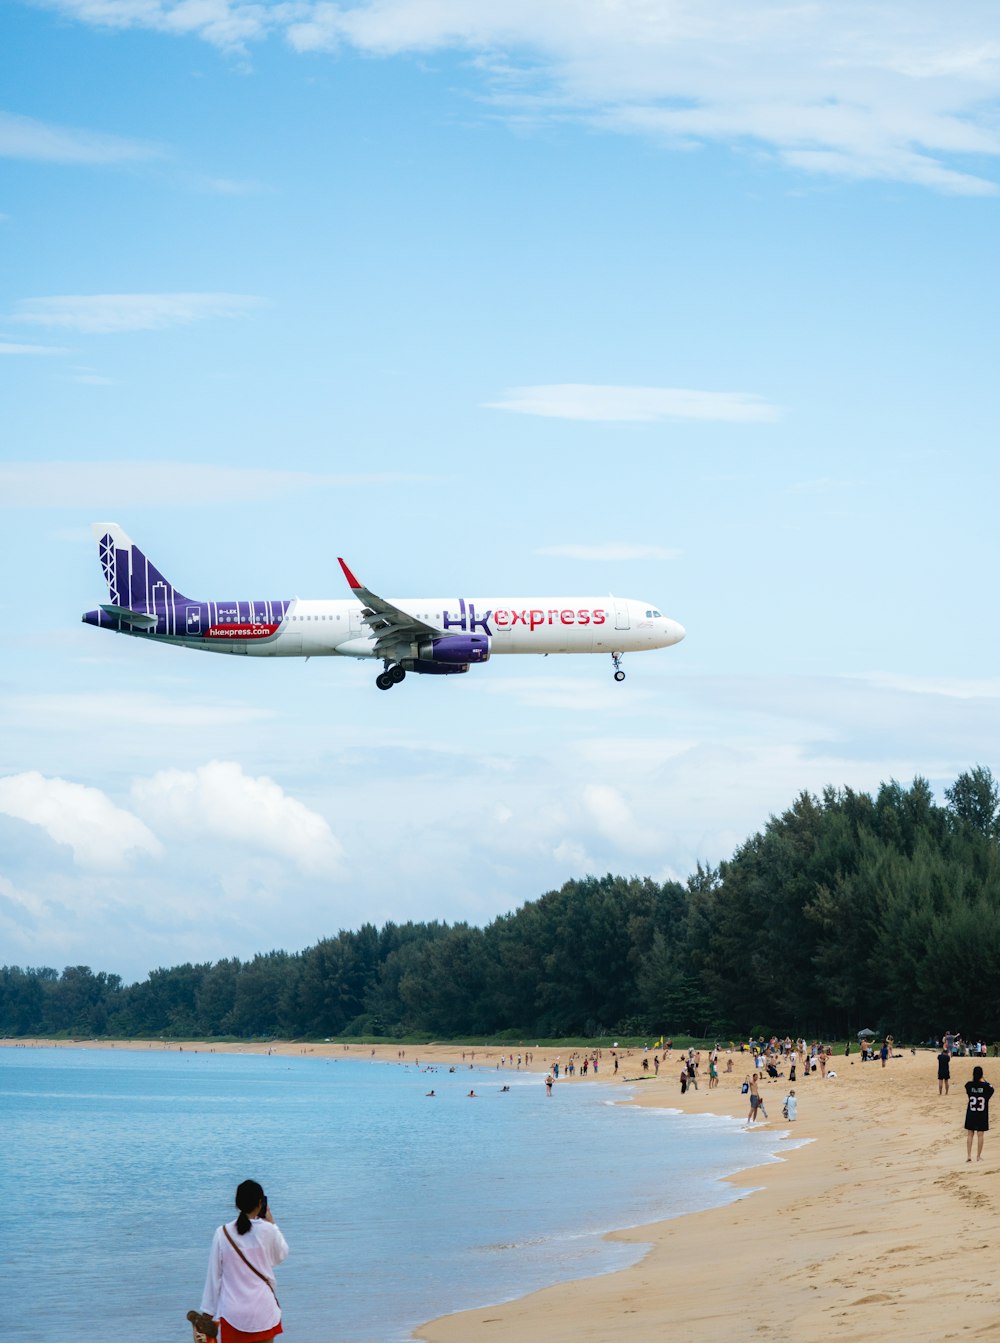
616	658
390	677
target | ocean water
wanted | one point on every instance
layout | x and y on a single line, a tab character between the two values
118	1165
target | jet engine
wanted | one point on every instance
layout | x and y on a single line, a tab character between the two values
455	648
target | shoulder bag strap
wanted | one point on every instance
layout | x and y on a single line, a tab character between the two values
263	1277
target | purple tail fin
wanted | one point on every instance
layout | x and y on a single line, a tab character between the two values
133	582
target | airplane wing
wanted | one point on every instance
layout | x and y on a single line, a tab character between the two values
388	623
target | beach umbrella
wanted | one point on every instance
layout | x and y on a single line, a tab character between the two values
866	1031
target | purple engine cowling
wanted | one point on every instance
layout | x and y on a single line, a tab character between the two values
455	648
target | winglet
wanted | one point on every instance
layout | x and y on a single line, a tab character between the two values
352	582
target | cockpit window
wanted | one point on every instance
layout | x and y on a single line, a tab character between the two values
653	615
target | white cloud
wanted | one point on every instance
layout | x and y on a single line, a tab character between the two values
100	834
863	89
610	551
955	687
26	138
104	314
588	401
132	709
612	817
567	693
573	856
22	902
11	347
227	24
249	815
110	485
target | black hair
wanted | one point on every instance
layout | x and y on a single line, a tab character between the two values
977	1073
249	1195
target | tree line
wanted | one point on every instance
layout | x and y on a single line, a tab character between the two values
846	911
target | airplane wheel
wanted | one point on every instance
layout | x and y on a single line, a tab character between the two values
384	681
397	673
619	676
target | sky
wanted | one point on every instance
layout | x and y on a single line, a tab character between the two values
690	302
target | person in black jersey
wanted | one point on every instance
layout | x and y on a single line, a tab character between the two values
977	1113
944	1070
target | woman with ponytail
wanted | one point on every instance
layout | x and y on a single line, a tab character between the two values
239	1290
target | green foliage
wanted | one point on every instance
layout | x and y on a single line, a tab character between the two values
846	910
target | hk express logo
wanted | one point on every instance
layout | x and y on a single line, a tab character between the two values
531	619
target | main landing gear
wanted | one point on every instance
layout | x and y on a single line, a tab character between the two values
390	677
616	658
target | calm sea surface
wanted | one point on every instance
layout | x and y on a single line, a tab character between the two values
118	1165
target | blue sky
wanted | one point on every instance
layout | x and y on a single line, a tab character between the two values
696	303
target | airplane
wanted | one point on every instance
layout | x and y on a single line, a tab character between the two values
441	636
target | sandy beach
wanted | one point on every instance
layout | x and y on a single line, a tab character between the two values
874	1227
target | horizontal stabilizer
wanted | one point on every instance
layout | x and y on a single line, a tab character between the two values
129	617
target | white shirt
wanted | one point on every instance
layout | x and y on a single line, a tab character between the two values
231	1289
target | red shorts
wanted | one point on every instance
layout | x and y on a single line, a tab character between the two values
228	1333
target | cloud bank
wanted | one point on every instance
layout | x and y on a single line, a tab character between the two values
646	405
26	138
106	314
894	90
99	833
110	485
220	803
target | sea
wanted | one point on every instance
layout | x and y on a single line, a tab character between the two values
398	1207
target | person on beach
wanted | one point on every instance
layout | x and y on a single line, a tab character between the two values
977	1112
239	1289
548	1085
944	1072
754	1099
684	1079
791	1106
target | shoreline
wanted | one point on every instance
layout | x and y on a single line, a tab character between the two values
876	1224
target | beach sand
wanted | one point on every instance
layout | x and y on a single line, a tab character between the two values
875	1228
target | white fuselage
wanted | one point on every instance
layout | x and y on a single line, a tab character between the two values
317	628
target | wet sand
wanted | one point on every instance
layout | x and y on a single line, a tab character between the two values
876	1227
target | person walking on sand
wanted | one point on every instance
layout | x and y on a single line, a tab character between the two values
791	1106
944	1072
754	1099
977	1112
239	1289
